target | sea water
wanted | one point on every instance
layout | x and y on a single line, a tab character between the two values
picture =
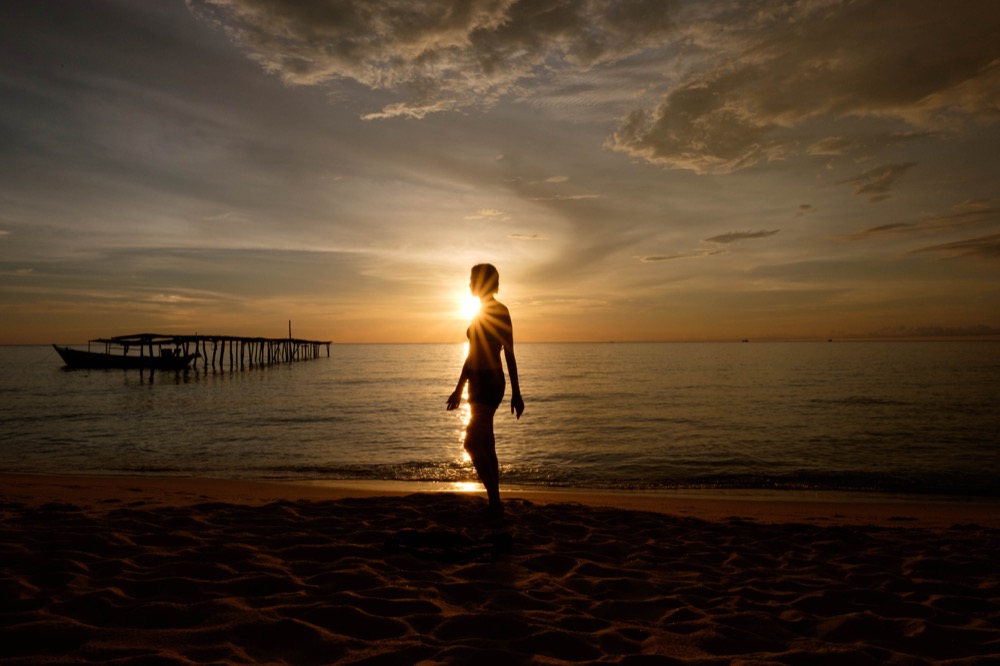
910	417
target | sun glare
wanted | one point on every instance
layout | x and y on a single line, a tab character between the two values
469	307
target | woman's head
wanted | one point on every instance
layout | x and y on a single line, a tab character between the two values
485	280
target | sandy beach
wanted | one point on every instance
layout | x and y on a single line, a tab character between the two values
182	571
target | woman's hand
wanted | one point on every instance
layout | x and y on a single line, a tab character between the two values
454	400
517	405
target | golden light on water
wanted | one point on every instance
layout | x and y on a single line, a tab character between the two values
465	411
465	414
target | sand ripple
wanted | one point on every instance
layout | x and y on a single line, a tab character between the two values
418	579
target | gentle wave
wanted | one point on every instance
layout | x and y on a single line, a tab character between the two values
882	417
928	484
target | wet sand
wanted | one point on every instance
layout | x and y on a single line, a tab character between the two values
159	570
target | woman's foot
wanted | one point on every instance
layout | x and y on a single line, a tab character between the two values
494	511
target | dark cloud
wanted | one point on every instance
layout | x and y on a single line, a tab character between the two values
977	212
738	83
876	183
984	247
963	217
652	259
735	236
776	66
437	55
711	249
882	230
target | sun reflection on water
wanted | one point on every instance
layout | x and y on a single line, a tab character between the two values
465	486
465	414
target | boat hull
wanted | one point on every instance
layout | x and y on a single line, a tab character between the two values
77	358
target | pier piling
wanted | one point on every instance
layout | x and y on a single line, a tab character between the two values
242	351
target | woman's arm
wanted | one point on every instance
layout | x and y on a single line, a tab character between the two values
516	402
455	399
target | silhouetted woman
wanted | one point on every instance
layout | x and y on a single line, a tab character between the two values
490	331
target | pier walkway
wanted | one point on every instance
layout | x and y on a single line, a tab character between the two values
220	351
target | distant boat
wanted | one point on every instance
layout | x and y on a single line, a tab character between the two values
167	360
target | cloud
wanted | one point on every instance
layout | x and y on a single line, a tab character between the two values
865	145
772	68
964	216
883	230
488	214
805	209
409	110
526	237
175	299
684	134
566	197
652	259
833	145
975	205
971	213
983	247
712	247
18	272
876	183
437	55
712	88
736	236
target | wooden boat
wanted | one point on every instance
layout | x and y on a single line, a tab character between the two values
167	360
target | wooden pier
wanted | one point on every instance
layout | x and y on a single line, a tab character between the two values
219	351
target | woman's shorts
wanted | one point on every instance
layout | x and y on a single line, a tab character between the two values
486	387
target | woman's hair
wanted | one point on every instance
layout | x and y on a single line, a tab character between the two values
486	278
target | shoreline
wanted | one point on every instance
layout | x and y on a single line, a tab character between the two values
98	492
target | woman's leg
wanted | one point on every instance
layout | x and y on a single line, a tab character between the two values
481	446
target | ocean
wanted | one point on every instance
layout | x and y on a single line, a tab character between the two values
884	417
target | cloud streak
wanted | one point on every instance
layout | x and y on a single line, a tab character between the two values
983	247
657	258
878	182
711	246
963	217
736	236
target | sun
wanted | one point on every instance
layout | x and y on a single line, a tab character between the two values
469	307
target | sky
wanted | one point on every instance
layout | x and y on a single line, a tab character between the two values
636	170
